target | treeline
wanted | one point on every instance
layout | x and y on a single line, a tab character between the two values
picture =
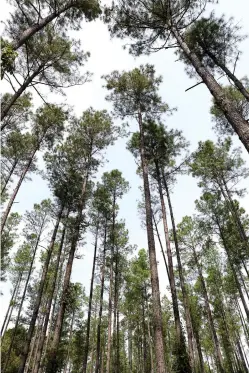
122	324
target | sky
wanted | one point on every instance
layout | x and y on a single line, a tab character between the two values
192	117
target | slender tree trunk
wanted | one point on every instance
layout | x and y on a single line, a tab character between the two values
182	280
98	358
245	369
18	93
161	246
243	322
11	304
39	294
130	347
86	349
69	342
151	349
239	124
52	360
217	350
233	269
113	240
4	186
49	305
230	75
156	303
109	340
181	352
227	196
12	199
23	295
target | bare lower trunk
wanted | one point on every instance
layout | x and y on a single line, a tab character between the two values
39	295
52	359
217	350
23	296
182	281
239	124
109	340
49	305
156	302
98	358
181	352
90	302
161	246
11	305
233	269
12	199
235	214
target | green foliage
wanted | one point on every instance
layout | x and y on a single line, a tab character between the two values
8	239
8	56
17	350
135	91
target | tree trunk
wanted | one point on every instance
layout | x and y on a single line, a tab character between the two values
181	352
217	350
23	296
12	199
230	75
9	176
52	360
98	358
39	294
239	124
156	303
11	305
86	349
233	269
69	342
235	214
161	246
188	317
109	340
49	305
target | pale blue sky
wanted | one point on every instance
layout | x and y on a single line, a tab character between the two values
192	117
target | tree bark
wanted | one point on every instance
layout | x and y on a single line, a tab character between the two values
239	124
233	269
181	352
217	351
156	303
86	349
49	305
182	280
52	361
12	199
39	294
109	339
23	295
98	358
234	212
161	246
